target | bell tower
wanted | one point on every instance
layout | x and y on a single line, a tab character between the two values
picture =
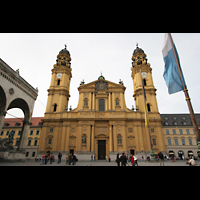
58	92
140	68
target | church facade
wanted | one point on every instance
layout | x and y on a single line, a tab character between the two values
101	125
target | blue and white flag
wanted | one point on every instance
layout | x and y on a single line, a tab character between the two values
171	73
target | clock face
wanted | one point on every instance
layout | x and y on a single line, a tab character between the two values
144	74
59	75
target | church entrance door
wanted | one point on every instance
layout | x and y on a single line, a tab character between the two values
101	149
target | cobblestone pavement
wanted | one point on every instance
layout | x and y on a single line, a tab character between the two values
95	163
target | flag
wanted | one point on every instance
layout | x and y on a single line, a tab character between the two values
171	73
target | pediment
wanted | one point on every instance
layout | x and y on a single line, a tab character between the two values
104	84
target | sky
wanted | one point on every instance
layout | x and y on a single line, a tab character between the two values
34	54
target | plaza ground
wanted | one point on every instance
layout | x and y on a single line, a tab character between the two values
94	163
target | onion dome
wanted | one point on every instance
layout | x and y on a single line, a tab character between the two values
138	50
64	51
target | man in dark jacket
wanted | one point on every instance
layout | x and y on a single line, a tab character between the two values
123	159
161	158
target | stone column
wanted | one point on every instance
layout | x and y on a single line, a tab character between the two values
109	99
92	142
93	104
110	137
2	117
24	135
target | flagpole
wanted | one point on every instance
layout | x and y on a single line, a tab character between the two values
196	129
147	121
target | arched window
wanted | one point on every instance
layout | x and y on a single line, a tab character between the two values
55	107
58	83
148	107
119	139
101	104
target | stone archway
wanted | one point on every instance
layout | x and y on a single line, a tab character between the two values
22	104
15	92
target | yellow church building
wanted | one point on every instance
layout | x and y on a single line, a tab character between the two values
101	125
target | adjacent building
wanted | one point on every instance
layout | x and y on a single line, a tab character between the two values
180	138
33	134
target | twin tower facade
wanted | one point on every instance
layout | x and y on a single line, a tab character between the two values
101	125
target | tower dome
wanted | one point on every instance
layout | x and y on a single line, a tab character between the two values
138	50
64	50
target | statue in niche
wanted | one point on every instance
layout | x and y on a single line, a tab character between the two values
85	102
83	140
117	102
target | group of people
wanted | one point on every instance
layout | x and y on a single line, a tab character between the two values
47	157
70	159
124	159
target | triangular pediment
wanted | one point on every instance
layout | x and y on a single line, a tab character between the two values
94	83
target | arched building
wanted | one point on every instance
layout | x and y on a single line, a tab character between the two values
15	92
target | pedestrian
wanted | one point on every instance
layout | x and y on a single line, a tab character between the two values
192	162
59	158
74	159
66	159
43	159
136	160
46	159
51	158
91	157
132	160
142	158
118	160
109	159
123	159
70	158
161	158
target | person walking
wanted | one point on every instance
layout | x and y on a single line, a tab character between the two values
67	159
118	160
136	160
74	159
70	158
59	158
161	158
192	162
132	160
43	159
51	158
123	159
